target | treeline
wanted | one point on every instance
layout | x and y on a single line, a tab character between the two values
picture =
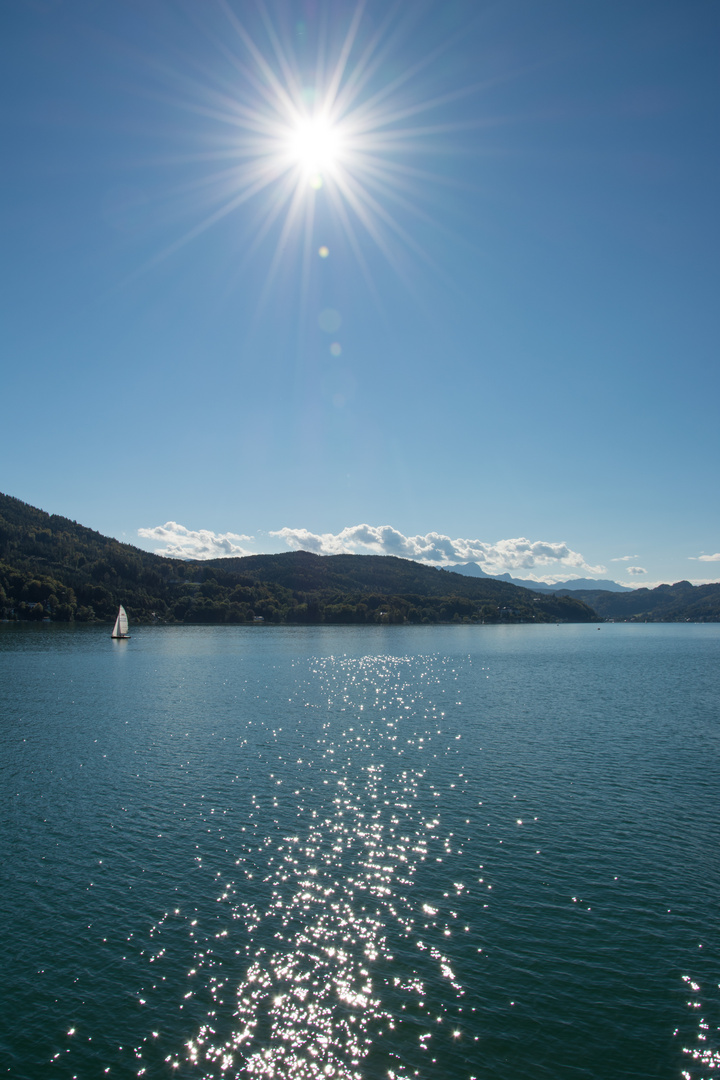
51	567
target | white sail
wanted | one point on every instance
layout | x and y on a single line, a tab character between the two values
121	624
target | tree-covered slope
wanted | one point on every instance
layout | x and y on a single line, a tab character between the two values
365	579
306	572
666	603
51	567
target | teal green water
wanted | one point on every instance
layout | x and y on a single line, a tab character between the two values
363	853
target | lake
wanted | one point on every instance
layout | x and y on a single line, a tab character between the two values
361	853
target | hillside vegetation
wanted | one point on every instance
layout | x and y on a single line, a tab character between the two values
667	603
51	567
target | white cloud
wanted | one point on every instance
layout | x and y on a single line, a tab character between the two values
636	571
624	558
706	558
182	543
531	557
537	560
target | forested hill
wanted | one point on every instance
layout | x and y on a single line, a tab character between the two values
51	567
307	572
667	603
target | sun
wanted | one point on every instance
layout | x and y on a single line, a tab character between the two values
302	140
315	146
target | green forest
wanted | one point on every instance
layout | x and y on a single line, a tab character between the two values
53	568
681	602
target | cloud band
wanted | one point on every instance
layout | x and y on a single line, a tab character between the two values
182	543
539	560
517	554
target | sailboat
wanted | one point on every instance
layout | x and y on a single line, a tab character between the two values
120	629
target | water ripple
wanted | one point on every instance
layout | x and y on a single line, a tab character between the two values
403	863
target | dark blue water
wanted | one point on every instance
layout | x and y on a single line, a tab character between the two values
364	853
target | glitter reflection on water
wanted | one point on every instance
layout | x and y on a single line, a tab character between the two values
705	1054
334	961
387	866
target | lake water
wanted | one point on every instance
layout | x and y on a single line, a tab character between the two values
393	852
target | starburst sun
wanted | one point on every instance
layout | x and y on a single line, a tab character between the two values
315	146
350	133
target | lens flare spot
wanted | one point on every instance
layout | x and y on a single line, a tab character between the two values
336	348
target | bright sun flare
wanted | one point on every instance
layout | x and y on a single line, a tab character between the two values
343	130
316	146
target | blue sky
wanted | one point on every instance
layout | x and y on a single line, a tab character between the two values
508	352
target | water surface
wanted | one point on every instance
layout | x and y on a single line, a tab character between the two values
360	852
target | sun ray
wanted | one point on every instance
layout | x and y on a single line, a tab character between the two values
342	61
359	196
272	214
305	270
202	226
293	214
294	87
283	96
403	77
349	231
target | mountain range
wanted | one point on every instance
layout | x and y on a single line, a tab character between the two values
53	568
472	569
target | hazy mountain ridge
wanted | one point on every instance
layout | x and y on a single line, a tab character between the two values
679	602
472	569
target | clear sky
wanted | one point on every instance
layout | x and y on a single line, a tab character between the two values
435	278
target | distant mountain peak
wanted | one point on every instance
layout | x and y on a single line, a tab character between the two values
471	569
